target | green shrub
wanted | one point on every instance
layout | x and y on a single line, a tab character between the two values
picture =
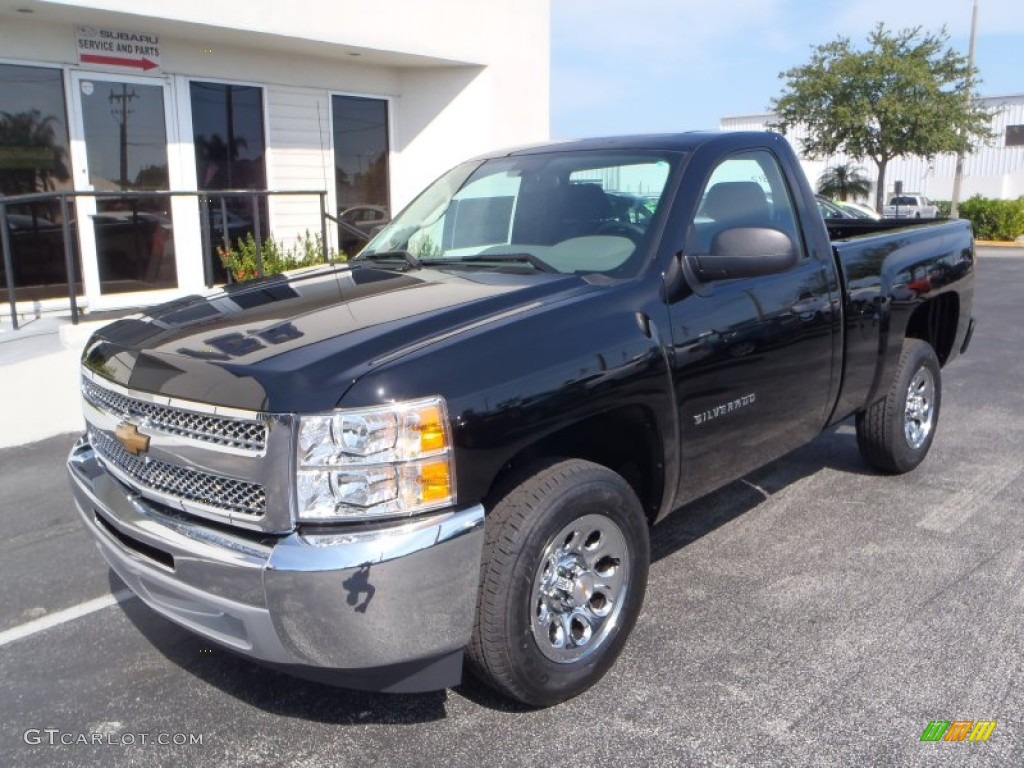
241	263
944	207
994	219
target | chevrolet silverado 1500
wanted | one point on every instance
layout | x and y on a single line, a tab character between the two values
453	446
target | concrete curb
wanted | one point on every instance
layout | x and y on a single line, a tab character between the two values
999	244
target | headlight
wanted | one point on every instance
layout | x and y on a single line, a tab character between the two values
366	463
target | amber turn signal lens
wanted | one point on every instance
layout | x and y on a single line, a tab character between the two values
431	429
435	481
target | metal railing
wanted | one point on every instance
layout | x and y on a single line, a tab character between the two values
205	198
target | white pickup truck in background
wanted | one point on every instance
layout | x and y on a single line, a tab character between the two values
910	207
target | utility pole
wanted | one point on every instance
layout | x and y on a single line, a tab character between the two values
120	113
958	176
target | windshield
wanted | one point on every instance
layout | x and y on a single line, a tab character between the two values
568	212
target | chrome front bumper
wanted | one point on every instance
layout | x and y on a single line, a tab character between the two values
388	608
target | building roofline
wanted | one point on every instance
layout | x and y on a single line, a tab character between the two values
755	115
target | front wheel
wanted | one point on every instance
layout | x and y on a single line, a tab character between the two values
562	582
895	433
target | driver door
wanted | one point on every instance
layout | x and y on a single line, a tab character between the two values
752	356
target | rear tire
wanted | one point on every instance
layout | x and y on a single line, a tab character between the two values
895	434
563	578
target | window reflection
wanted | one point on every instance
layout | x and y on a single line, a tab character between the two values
360	168
34	158
227	127
125	135
126	148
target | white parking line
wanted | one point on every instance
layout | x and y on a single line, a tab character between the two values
62	617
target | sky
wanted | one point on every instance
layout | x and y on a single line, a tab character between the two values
641	66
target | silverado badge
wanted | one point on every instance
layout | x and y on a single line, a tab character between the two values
128	435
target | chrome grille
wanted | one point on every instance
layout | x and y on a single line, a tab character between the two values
217	430
218	493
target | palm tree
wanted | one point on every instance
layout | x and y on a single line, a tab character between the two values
35	156
844	181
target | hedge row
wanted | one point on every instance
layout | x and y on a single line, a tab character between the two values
241	262
992	219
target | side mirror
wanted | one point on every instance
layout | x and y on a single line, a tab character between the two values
745	252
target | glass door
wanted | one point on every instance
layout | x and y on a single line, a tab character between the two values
121	146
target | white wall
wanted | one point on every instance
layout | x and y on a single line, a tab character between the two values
468	31
462	77
992	170
298	157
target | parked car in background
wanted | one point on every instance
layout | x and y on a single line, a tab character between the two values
860	210
910	207
368	218
358	224
831	210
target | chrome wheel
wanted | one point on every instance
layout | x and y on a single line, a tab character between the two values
919	418
579	589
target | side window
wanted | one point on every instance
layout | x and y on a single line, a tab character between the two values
744	190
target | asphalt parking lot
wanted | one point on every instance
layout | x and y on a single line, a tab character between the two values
813	614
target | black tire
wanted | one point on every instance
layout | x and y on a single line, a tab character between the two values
883	436
504	651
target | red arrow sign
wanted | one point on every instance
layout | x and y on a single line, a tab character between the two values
117	61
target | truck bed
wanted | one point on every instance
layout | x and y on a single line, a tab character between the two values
888	270
842	229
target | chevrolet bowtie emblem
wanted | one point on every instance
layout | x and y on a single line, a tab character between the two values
128	435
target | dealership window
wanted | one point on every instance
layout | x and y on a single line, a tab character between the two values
125	136
1015	135
34	157
230	143
360	167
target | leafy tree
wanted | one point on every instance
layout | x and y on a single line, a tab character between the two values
906	94
844	181
152	177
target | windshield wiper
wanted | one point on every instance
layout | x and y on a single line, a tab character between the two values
501	258
405	256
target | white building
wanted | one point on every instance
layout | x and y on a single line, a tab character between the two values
366	102
995	169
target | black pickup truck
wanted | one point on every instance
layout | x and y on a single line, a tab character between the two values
455	444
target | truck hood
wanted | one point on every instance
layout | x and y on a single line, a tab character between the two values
296	343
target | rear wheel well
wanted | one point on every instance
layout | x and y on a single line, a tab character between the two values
626	440
935	322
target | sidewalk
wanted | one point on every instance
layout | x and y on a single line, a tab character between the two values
39	377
